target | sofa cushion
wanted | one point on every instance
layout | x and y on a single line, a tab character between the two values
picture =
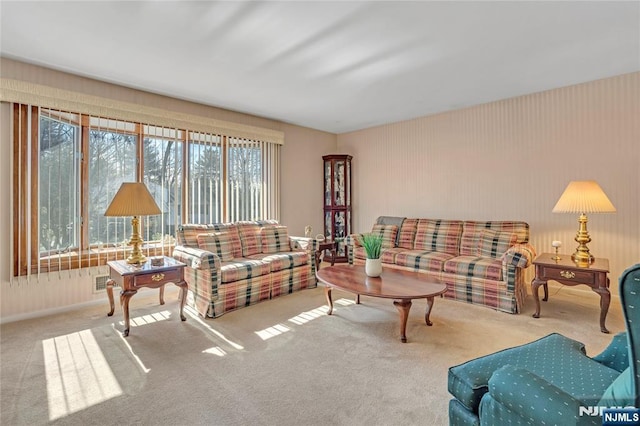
241	269
359	253
219	243
388	255
407	233
494	243
475	266
249	238
472	231
283	260
438	235
188	234
388	234
275	239
422	260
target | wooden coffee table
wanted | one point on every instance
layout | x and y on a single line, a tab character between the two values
402	286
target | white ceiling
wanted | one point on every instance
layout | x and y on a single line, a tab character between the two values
334	66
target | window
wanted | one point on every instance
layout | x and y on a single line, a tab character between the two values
58	183
72	164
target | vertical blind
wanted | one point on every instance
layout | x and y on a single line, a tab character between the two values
69	166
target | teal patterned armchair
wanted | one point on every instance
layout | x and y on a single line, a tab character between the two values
552	380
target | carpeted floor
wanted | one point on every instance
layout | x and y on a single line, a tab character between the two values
281	362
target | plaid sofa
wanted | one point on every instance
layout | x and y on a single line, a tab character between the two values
232	265
480	262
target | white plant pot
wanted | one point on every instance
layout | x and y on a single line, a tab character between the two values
373	267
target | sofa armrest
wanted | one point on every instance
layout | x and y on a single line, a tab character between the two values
197	258
534	398
350	242
303	243
353	240
519	255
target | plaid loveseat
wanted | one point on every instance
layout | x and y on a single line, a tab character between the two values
232	265
480	262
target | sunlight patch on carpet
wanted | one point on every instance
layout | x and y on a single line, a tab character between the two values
300	319
143	368
148	319
307	316
77	374
193	314
272	331
216	350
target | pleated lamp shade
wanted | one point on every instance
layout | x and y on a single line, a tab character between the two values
583	197
133	199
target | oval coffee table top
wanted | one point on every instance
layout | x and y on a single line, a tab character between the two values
392	284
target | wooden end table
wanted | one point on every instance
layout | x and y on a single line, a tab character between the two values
325	245
565	271
131	277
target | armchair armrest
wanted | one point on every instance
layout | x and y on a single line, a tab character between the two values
519	255
535	399
616	355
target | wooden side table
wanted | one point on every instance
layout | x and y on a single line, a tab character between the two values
566	272
132	277
322	246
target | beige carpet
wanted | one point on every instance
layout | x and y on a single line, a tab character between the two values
281	362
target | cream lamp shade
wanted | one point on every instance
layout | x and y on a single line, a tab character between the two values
133	199
583	197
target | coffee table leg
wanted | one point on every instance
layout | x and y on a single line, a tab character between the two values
427	312
403	307
327	292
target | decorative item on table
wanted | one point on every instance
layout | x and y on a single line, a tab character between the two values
319	237
157	261
307	231
133	199
372	244
583	197
556	245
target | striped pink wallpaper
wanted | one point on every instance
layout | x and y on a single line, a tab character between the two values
512	159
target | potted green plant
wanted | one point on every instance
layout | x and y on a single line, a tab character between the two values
372	244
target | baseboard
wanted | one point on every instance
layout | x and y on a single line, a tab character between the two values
53	311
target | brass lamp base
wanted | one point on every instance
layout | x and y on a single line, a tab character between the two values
582	257
136	257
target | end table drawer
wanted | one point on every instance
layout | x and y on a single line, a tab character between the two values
159	277
586	277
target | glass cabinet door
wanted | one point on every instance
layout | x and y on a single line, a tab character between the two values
338	186
327	183
337	201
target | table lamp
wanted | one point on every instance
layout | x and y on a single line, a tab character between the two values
583	197
133	199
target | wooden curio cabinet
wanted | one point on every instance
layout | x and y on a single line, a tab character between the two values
337	201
